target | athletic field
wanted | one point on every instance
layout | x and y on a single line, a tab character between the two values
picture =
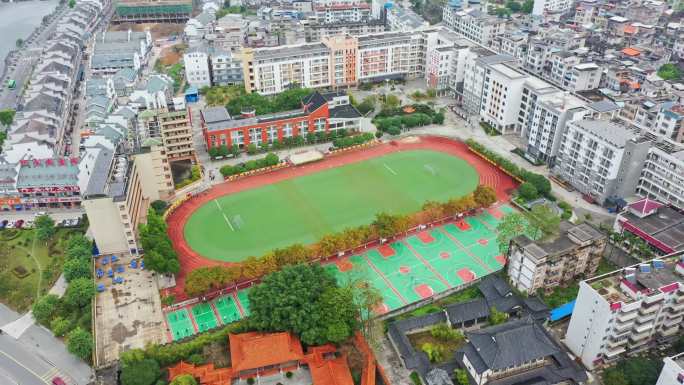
405	271
302	210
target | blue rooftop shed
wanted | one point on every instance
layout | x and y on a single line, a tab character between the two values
191	94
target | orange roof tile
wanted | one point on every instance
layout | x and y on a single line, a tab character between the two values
630	29
256	350
629	51
331	372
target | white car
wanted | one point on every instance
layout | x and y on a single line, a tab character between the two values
10	225
39	213
28	224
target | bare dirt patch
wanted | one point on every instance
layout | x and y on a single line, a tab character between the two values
158	30
170	56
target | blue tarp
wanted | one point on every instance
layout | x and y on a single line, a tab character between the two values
562	311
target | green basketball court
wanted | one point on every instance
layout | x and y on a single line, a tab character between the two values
227	309
204	316
301	210
180	324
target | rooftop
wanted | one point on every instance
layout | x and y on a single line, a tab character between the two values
613	133
256	350
663	228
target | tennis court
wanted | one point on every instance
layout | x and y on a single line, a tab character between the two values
180	324
227	309
204	316
302	210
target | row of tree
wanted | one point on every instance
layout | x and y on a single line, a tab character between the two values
269	160
287	100
159	253
70	315
540	182
205	279
353	140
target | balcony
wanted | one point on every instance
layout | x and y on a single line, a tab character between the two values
643	318
626	317
612	353
643	328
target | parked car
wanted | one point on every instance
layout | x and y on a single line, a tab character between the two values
39	213
10	225
19	223
4	223
28	224
58	381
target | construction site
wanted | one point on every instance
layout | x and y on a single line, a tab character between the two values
152	11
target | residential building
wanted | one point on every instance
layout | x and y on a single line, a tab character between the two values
627	311
501	96
519	350
543	265
474	24
544	112
544	7
173	129
403	19
659	225
319	113
315	32
601	159
673	370
114	51
225	68
197	70
342	12
662	177
117	191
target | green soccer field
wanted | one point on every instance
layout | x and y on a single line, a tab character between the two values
303	209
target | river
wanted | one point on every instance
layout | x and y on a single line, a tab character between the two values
18	22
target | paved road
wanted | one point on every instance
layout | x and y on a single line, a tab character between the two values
36	357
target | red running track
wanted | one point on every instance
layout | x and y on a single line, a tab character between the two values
190	260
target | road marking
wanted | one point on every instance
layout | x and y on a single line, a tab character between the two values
49	375
224	215
389	169
23	366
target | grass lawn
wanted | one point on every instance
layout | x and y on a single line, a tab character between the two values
302	210
448	347
42	264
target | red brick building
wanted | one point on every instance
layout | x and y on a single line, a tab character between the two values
319	113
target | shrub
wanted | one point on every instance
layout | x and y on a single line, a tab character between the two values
528	192
288	374
250	381
415	378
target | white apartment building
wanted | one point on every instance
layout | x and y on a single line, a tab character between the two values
501	95
226	68
575	252
475	62
673	371
662	177
197	68
513	44
543	7
342	12
474	24
544	112
335	62
582	77
601	159
627	311
404	19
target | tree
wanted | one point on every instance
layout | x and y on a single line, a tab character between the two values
528	192
44	308
613	376
79	293
389	225
367	105
80	343
434	352
60	326
497	317
77	268
45	227
461	376
511	226
544	219
159	206
305	300
391	101
669	71
513	5
540	182
159	253
678	345
484	196
19	43
72	3
641	370
184	379
502	12
527	6
143	371
7	117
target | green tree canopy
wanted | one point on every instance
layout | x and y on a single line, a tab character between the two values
184	379
80	343
511	226
159	206
528	192
513	5
484	196
305	300
461	376
45	227
527	6
77	268
669	71
7	117
544	219
144	371
159	253
44	308
79	293
497	317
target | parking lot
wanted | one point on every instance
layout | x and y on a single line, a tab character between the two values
26	219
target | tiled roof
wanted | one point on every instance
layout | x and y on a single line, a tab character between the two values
256	350
331	372
645	205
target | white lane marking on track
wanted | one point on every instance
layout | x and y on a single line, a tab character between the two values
389	169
